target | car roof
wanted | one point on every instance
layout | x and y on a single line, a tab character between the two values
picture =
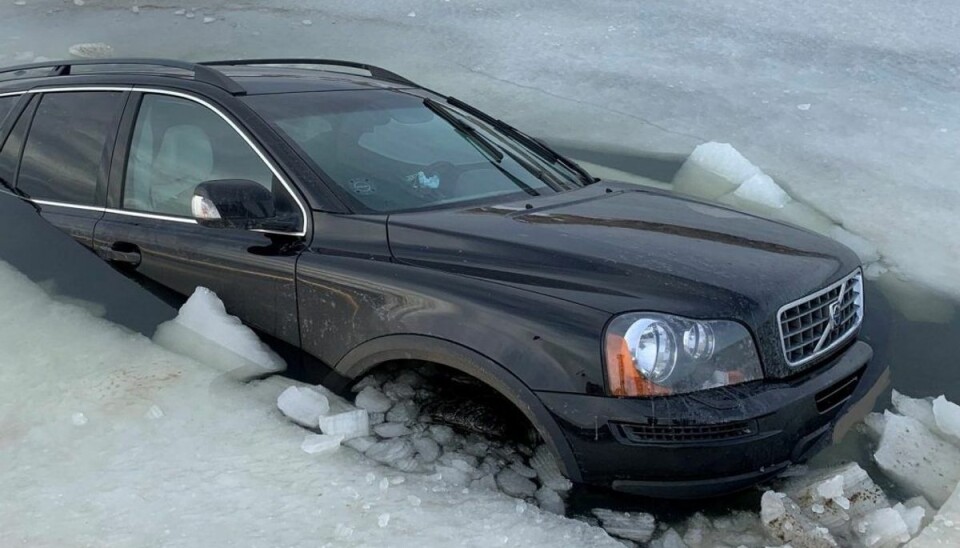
261	80
243	77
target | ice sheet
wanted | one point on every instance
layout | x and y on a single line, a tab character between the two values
220	467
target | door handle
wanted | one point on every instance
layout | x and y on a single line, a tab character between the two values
120	252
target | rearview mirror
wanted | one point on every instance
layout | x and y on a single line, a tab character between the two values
232	203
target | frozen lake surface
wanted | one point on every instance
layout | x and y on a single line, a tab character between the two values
854	108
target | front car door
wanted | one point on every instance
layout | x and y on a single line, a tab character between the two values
173	142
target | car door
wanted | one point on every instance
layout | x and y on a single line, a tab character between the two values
173	142
58	152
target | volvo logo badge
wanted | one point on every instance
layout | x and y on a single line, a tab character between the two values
834	317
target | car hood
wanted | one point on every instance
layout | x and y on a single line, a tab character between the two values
618	247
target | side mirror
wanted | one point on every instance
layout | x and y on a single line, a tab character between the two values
236	203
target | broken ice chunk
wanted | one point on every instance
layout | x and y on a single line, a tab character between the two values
550	500
391	451
947	416
915	408
427	449
883	528
205	332
635	526
523	470
874	422
398	391
349	424
321	443
514	484
836	495
404	411
920	502
548	470
784	520
831	488
760	189
912	516
361	444
391	430
373	400
303	405
944	530
670	539
443	434
918	460
712	170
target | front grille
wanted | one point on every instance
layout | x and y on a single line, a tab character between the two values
814	325
830	398
653	433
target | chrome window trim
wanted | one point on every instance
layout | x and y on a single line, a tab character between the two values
172	218
156	216
80	88
850	332
12	94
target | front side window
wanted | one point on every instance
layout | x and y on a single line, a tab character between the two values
178	144
64	157
390	152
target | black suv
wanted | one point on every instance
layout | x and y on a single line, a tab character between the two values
659	345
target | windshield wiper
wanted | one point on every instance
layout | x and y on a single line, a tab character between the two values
530	142
465	129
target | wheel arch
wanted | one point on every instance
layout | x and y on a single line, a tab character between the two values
367	356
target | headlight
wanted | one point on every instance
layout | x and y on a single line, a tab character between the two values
658	354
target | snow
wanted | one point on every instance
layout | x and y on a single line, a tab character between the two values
221	467
96	50
204	331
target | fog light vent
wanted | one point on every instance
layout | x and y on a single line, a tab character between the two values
831	398
674	433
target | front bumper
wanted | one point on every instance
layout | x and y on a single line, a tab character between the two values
717	441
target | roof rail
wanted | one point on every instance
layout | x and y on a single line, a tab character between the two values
201	73
374	71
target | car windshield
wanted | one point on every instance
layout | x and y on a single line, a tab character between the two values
391	151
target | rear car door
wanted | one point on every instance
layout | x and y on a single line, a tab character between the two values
58	153
173	142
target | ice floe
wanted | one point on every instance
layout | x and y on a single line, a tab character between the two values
222	467
203	330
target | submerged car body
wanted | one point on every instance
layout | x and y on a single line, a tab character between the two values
658	344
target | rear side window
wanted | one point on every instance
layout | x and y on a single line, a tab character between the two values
63	157
10	153
6	105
